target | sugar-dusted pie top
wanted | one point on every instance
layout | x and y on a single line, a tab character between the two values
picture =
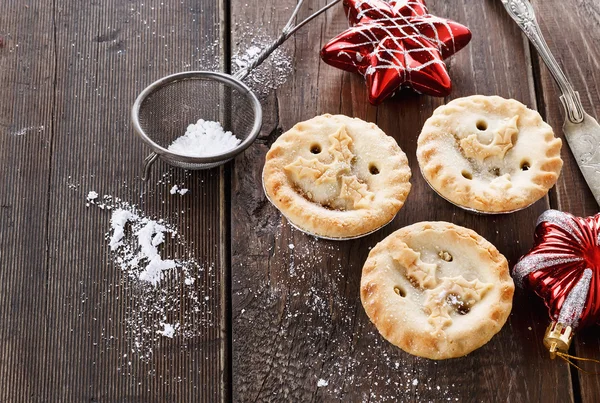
436	290
489	154
336	177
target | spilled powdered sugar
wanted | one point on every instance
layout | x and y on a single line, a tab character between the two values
168	330
319	318
165	300
322	383
176	189
318	315
273	72
91	196
142	259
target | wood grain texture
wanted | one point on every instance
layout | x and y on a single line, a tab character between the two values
70	72
571	30
27	69
297	317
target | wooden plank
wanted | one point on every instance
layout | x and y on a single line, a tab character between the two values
571	30
297	317
27	69
65	302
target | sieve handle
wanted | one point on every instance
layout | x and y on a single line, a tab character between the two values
288	31
240	75
148	161
294	28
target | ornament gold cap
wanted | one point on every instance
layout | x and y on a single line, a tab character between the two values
558	338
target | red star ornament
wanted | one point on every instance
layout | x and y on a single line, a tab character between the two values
396	43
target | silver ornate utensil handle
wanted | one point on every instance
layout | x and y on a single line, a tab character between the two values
522	12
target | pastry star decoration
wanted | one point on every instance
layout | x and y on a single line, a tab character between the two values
420	273
500	144
442	295
395	44
352	189
453	294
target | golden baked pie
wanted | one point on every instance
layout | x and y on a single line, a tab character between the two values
489	154
336	177
436	290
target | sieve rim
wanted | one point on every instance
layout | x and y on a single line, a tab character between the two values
224	78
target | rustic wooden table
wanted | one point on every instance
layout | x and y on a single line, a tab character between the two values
280	323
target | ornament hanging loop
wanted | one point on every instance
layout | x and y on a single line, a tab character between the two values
558	340
568	358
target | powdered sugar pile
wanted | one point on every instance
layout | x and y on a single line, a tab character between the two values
205	138
168	330
322	383
149	235
176	189
91	196
164	299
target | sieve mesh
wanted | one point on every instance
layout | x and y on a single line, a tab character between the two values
164	111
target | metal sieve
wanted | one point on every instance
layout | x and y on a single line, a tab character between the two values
164	109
